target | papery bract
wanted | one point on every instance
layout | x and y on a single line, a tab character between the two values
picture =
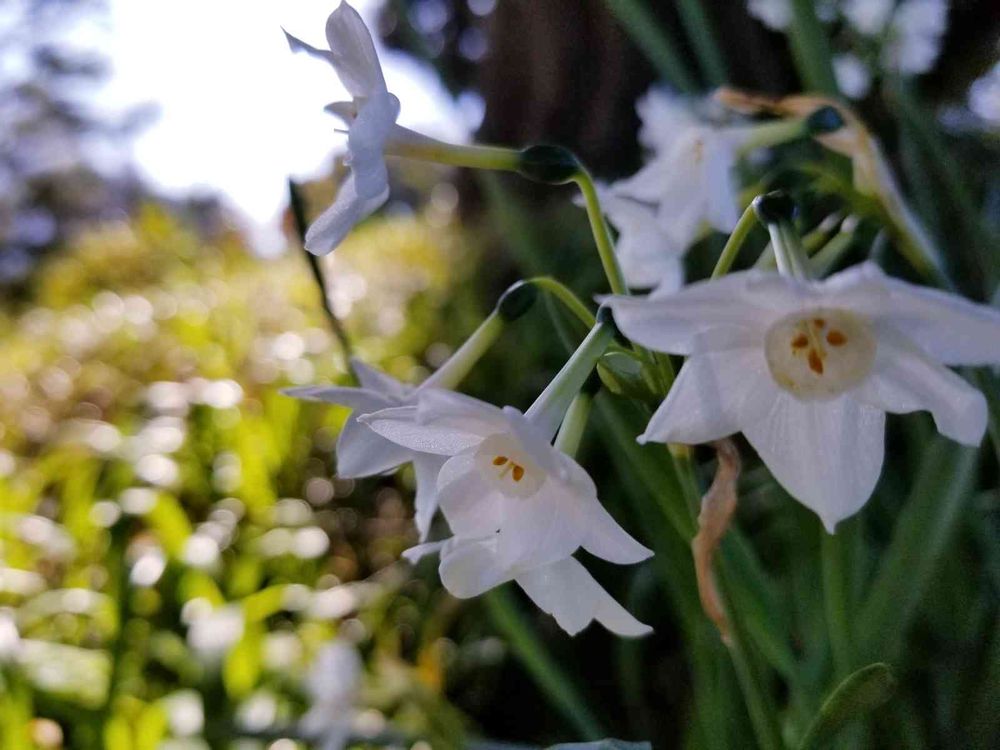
807	370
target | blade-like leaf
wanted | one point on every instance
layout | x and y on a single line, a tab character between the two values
863	691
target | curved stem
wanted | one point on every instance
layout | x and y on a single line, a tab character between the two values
742	230
602	236
565	295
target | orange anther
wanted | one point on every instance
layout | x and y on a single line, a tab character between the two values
800	341
499	460
836	338
518	473
815	362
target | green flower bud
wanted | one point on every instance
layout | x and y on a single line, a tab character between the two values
552	165
774	208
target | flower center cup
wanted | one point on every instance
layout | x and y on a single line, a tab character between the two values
819	354
505	465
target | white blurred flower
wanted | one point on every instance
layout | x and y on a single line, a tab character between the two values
332	683
212	632
371	118
689	179
853	76
868	17
984	96
185	713
10	639
775	14
807	371
361	452
915	36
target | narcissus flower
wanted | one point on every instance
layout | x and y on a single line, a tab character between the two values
371	118
503	478
563	589
690	177
808	369
362	452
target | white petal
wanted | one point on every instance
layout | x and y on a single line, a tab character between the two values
471	507
718	313
468	568
535	443
362	399
715	395
426	467
366	139
418	552
600	533
380	382
950	328
723	212
401	425
827	454
540	529
362	453
569	593
905	380
297	45
447	408
339	218
353	52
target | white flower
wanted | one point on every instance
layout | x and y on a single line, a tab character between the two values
563	589
362	452
868	17
915	35
212	633
775	14
807	371
332	684
646	253
690	178
503	477
371	118
853	76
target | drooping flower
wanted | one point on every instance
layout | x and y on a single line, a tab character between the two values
808	369
332	684
364	453
690	178
502	477
371	118
563	589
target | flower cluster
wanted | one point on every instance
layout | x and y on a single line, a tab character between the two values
806	368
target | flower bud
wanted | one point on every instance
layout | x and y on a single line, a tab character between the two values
516	301
775	207
552	165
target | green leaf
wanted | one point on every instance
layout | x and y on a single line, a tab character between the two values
242	667
603	745
926	524
862	692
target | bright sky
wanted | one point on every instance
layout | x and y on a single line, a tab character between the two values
238	111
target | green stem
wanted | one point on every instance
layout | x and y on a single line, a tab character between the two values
565	295
811	49
703	39
775	133
602	236
742	230
546	671
836	600
644	29
551	406
830	253
422	148
788	250
452	372
574	423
